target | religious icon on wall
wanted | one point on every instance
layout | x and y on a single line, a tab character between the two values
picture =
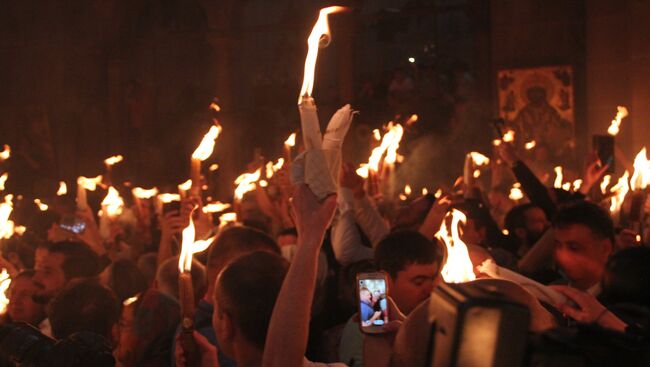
538	104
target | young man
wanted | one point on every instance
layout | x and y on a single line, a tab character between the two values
21	307
526	223
584	239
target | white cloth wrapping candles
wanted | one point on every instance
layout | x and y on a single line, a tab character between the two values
540	291
320	164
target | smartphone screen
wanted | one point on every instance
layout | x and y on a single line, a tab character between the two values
372	290
73	224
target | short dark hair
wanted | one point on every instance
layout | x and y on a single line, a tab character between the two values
587	214
516	217
239	240
125	279
405	247
247	290
84	305
627	277
79	260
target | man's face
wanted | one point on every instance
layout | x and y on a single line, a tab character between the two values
581	255
365	296
536	224
413	285
21	305
49	277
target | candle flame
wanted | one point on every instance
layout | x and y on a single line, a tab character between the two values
246	183
515	192
477	173
509	136
641	177
205	148
41	206
559	177
141	193
438	194
530	145
320	33
458	267
89	183
185	186
412	120
215	107
606	181
615	126
226	218
110	161
479	159
20	230
214	167
619	190
376	134
496	142
6	225
6	153
5	282
168	198
3	180
408	190
577	184
191	246
291	140
130	301
424	191
63	189
215	207
272	168
113	204
389	146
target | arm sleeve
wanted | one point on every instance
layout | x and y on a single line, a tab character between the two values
346	240
371	222
534	189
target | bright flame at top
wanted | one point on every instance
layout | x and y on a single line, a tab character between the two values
515	192
413	119
141	193
185	186
606	181
619	190
3	180
246	183
615	126
41	206
321	31
408	190
641	177
6	153
6	225
63	189
204	150
479	159
113	204
215	107
5	281
509	136
389	145
215	207
168	198
291	140
113	160
89	183
190	246
458	268
559	177
530	145
213	167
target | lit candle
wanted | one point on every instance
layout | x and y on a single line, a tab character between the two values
202	152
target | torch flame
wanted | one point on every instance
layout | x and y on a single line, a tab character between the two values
89	183
190	246
205	148
272	168
246	183
5	281
110	161
509	136
185	186
215	207
479	159
63	189
321	31
458	268
615	126
530	145
641	177
6	153
577	184
620	190
6	225
515	192
291	140
559	177
141	193
606	181
113	204
41	206
389	145
376	134
3	181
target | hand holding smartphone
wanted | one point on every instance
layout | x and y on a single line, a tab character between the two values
372	291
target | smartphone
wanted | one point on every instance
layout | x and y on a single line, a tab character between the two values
604	146
372	293
171	206
73	224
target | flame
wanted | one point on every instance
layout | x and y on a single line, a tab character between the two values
566	186
530	145
394	136
291	140
479	159
191	246
272	168
425	191
215	107
168	198
5	281
412	120
215	207
141	193
226	218
509	136
110	161
320	32
389	146
3	180
407	190
185	186
130	301
112	204
6	153
214	167
246	183
63	189
606	181
477	173
205	148
559	177
515	192
496	142
89	183
6	225
615	126
641	177
376	134
438	194
619	190
458	267
577	184
20	230
41	206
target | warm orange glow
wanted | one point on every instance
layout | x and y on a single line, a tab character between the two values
215	107
5	282
389	146
291	140
227	218
216	207
191	246
204	150
20	230
3	180
479	159
168	198
515	192
320	36
6	225
438	194
41	206
141	193
89	183
577	184
509	136
246	183
408	190
619	190
496	142
458	267
425	191
110	161
606	181
376	134
185	186
113	204
615	126
63	189
6	153
559	177
530	145
213	167
272	168
641	177
412	120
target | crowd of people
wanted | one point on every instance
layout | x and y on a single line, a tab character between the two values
279	286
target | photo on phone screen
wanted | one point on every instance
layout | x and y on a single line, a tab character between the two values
373	305
73	224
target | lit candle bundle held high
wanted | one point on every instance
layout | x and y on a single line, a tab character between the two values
202	152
